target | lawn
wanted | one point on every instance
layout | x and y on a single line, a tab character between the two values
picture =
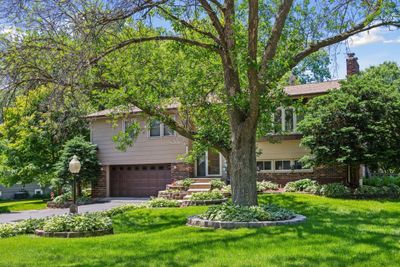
18	205
337	233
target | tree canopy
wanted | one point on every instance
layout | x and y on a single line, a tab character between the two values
358	123
222	61
32	135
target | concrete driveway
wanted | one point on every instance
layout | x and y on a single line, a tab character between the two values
36	214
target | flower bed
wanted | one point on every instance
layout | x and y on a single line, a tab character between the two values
73	234
199	222
232	216
78	225
187	203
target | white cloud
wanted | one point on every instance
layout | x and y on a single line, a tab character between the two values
392	41
376	35
368	37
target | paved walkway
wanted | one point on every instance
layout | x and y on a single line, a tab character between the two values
36	214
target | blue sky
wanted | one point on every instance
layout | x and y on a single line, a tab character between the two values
371	48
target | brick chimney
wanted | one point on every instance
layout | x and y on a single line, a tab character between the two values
352	64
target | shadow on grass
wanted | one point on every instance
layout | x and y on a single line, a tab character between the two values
4	210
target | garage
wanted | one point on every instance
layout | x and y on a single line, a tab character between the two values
139	180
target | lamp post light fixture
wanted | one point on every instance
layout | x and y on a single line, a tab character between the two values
74	168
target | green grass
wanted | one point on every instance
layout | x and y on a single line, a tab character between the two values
337	233
18	205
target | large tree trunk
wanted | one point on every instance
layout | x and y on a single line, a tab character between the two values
243	166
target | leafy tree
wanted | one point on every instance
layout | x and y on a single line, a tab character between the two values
358	123
32	135
87	155
230	57
314	68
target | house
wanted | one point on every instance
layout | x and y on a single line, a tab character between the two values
10	192
153	161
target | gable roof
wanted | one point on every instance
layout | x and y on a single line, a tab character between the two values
309	89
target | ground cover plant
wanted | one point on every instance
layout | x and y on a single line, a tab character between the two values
266	185
160	202
234	213
18	205
212	195
337	233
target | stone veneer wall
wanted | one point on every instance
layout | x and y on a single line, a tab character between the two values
181	170
99	190
323	175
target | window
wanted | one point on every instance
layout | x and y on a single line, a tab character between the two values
264	165
168	131
282	165
286	119
158	129
289	120
130	128
155	129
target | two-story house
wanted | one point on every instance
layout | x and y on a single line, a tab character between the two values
153	161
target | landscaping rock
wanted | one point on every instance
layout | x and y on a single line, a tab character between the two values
198	222
73	234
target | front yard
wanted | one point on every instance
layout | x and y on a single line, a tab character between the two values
337	233
18	205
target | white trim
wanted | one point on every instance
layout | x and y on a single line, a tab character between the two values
273	170
206	165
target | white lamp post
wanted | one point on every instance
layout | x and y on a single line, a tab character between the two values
74	168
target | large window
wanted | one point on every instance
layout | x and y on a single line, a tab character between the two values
285	165
158	129
286	119
209	164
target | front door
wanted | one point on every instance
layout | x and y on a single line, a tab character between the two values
209	164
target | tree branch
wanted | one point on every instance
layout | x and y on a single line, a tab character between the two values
153	38
276	32
190	26
214	18
314	47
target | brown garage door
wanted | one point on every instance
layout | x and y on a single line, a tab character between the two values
139	180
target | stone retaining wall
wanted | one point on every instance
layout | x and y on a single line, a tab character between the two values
196	221
73	234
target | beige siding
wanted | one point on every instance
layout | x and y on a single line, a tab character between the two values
287	149
144	151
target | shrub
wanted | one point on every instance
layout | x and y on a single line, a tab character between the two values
185	183
391	190
335	190
299	185
24	227
313	189
217	184
266	185
206	195
61	199
88	222
121	209
382	181
230	212
160	202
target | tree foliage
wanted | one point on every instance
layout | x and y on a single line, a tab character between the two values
358	123
222	61
87	155
32	135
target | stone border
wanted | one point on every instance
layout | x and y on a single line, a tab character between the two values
186	203
73	234
198	222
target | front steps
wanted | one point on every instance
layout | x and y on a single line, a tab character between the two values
200	185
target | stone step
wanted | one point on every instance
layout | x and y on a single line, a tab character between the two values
195	190
200	186
203	180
